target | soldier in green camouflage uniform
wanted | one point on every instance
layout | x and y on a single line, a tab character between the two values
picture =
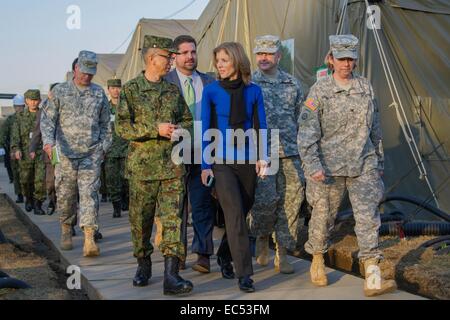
32	169
19	105
76	123
117	185
150	109
340	144
278	197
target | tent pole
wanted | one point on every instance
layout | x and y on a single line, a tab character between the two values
406	128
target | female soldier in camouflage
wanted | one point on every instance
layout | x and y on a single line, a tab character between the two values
339	141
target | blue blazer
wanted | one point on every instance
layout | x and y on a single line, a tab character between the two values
216	103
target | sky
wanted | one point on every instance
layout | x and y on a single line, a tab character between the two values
37	46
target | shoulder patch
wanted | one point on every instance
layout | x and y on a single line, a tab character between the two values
311	104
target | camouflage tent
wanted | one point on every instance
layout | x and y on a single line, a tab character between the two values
131	64
413	38
107	67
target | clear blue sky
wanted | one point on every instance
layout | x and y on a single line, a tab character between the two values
37	48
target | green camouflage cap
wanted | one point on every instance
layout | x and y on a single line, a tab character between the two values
33	94
344	46
267	44
158	42
87	62
114	83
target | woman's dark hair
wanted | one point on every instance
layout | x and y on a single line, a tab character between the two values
74	63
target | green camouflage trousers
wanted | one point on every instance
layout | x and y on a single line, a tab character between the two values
116	183
103	179
78	176
365	193
32	178
16	176
278	199
145	198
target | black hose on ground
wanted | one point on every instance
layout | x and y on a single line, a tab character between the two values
415	229
12	283
420	203
2	237
432	242
3	274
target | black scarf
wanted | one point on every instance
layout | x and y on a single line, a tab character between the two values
238	112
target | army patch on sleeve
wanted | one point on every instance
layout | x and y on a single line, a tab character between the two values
311	104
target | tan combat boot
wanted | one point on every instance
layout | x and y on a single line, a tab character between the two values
318	275
375	285
262	250
90	248
66	237
281	262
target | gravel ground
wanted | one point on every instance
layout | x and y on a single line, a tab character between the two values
417	270
27	258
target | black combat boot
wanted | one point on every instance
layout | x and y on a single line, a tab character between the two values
97	235
28	204
173	283
19	198
51	207
143	272
125	203
104	197
38	208
117	207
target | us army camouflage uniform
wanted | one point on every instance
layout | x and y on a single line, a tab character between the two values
117	185
32	171
278	197
6	134
154	179
78	123
340	134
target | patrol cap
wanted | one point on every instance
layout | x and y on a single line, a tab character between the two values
344	46
87	62
114	83
158	43
33	94
18	100
267	44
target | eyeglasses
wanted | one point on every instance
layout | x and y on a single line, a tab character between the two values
169	57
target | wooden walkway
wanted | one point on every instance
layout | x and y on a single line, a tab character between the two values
109	276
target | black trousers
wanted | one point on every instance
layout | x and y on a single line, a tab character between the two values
8	166
235	185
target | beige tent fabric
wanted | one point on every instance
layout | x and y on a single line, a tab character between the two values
417	45
132	63
243	20
415	37
107	67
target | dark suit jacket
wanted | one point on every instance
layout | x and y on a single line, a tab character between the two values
172	77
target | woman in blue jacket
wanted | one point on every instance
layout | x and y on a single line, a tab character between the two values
231	106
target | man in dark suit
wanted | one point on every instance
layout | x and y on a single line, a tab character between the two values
191	84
